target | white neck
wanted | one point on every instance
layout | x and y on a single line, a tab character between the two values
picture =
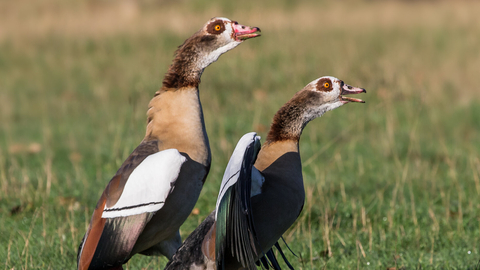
211	57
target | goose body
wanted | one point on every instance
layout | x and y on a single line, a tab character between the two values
249	220
156	188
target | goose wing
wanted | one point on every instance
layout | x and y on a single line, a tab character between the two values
235	229
137	191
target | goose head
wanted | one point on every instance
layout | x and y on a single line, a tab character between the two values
319	96
325	94
218	36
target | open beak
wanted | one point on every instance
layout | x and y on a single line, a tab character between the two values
349	90
243	32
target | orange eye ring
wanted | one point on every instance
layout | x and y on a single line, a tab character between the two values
326	85
218	27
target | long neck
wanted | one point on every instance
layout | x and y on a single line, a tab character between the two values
185	71
289	122
284	134
175	115
191	58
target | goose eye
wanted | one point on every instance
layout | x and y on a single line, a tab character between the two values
326	85
215	28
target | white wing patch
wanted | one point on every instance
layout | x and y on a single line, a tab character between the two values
148	185
232	172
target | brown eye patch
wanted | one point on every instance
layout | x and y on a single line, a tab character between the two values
216	27
324	85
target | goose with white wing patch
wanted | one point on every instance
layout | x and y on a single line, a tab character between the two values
156	188
262	190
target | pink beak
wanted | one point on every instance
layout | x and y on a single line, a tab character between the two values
243	32
348	90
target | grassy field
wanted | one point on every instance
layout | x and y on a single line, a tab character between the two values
391	184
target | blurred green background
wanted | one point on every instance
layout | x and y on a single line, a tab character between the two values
391	184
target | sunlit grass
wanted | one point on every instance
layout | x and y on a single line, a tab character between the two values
390	183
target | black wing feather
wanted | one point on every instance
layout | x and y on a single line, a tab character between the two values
235	226
235	229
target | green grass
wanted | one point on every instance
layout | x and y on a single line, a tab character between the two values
390	183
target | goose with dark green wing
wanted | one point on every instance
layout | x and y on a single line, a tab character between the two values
262	191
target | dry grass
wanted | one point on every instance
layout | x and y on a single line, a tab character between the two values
85	19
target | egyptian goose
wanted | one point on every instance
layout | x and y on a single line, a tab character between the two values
262	191
157	186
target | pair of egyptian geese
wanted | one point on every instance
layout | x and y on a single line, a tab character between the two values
156	188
